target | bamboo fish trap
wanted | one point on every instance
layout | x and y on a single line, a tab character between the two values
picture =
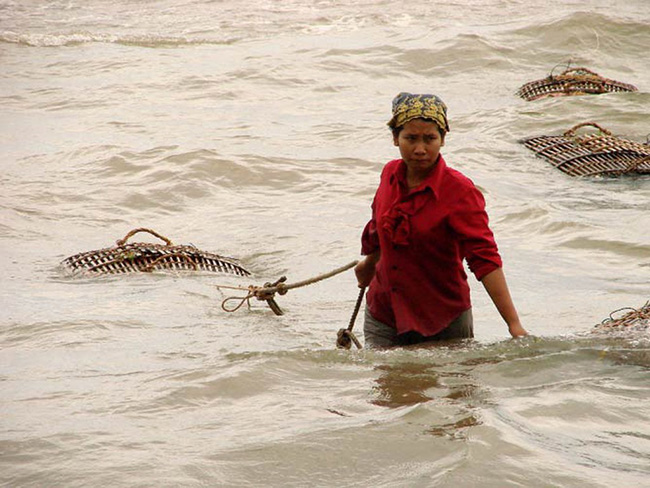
146	257
595	153
573	81
638	318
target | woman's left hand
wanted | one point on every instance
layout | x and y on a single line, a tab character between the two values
516	330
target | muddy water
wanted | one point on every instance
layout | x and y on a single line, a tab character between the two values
258	132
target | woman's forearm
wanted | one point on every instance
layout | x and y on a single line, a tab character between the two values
497	287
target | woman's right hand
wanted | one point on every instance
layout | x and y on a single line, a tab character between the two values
365	269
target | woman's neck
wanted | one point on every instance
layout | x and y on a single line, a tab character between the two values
414	179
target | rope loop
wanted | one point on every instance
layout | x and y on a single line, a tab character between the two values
246	299
580	71
121	242
572	130
567	64
344	337
267	292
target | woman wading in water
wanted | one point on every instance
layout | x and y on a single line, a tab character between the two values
426	218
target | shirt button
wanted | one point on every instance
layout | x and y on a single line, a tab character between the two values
394	267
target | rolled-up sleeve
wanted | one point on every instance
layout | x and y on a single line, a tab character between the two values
478	246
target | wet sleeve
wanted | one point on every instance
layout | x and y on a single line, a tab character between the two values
470	222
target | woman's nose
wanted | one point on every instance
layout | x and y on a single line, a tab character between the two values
420	148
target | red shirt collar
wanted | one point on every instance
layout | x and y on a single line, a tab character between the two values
433	181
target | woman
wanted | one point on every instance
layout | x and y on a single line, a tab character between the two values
426	218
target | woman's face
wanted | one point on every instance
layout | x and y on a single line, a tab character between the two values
419	143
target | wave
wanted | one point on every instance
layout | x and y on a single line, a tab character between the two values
586	31
78	38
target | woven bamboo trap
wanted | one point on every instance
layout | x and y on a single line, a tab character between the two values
632	317
146	257
573	81
590	154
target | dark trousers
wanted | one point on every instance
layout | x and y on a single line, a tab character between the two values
378	334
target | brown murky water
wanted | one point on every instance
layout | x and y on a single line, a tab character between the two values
257	130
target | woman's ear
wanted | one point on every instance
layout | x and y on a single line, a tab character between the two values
396	140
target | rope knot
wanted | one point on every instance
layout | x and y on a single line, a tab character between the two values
345	338
282	288
267	292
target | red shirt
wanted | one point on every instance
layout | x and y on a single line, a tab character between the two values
424	234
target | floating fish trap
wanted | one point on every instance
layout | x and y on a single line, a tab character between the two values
597	153
631	318
146	257
573	81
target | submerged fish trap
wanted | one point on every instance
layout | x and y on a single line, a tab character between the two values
146	257
573	81
629	317
596	153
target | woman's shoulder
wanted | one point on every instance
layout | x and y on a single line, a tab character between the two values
456	179
460	190
392	165
390	168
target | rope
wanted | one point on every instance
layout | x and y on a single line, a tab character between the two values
586	73
282	289
567	64
268	291
572	130
243	300
121	242
345	337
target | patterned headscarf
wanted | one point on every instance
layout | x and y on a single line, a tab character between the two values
408	106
